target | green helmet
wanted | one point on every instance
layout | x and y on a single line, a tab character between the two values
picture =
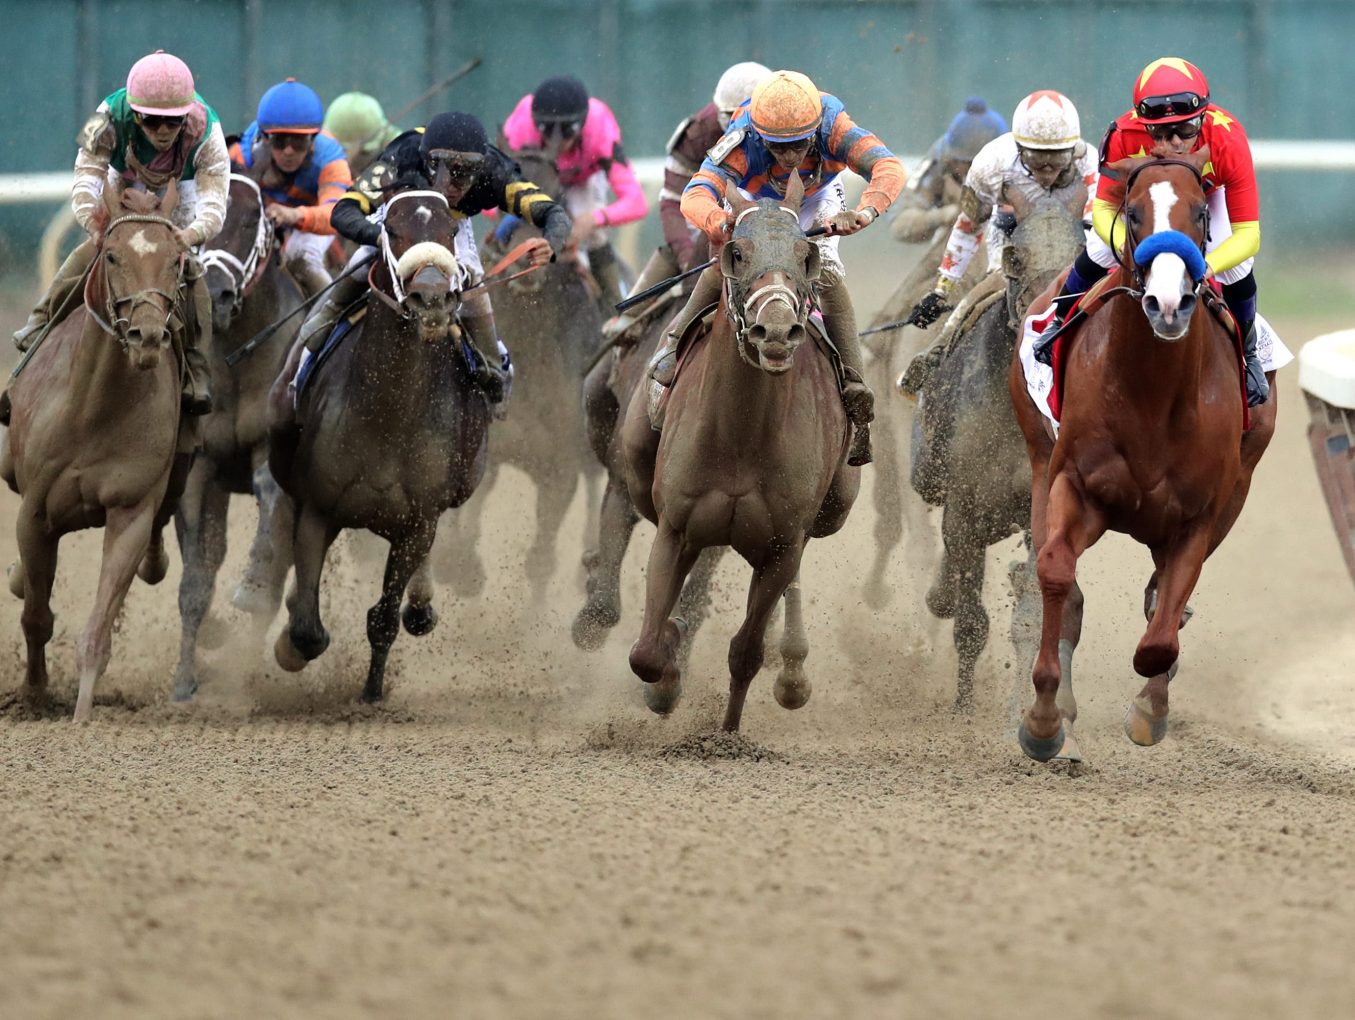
357	121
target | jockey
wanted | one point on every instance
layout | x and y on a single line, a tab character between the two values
932	197
1173	115
358	123
790	126
451	155
581	134
1043	153
301	173
155	130
683	245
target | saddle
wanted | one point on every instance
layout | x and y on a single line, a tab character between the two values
349	318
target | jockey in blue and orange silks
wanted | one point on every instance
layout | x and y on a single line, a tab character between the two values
302	174
790	126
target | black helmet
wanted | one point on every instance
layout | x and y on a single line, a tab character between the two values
457	132
559	100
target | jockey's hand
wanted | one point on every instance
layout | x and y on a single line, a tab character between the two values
1004	219
539	253
582	228
718	227
98	222
186	238
849	222
284	215
932	306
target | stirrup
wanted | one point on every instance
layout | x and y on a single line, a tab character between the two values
1044	343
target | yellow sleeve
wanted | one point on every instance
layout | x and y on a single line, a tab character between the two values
1104	215
1242	245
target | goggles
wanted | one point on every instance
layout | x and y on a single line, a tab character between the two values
1178	104
297	142
155	121
1183	129
567	129
1036	160
461	167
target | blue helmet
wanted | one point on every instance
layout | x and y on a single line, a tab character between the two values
973	128
291	107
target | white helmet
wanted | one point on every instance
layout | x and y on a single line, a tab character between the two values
1046	120
736	86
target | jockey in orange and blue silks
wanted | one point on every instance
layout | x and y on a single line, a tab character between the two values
301	173
789	126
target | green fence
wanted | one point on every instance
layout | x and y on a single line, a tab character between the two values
901	67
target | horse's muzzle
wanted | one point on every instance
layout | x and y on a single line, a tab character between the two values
144	347
430	303
776	344
1169	324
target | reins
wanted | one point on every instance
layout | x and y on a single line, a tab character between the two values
248	272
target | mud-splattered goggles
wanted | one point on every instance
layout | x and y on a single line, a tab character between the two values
155	121
1036	160
567	129
460	167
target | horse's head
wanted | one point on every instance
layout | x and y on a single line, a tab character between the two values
419	274
769	267
236	256
1165	218
132	289
1047	237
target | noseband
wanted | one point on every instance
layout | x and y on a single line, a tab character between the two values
396	299
111	322
244	274
1131	240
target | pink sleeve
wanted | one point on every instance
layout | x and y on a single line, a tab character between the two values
630	205
519	130
602	144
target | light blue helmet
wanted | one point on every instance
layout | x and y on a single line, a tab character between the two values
973	128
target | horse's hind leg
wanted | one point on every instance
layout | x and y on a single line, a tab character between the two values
792	687
37	561
602	610
694	603
966	554
888	497
155	561
456	560
259	592
305	637
770	579
653	657
418	615
201	526
407	552
554	492
127	532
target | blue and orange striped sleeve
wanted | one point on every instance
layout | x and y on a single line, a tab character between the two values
335	180
862	151
703	197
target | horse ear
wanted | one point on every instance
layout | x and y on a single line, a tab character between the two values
170	200
728	253
736	201
112	201
795	193
813	261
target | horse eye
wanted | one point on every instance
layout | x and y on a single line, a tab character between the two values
112	259
738	255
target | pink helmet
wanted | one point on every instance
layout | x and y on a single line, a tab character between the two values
160	84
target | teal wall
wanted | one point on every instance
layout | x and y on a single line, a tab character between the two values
901	66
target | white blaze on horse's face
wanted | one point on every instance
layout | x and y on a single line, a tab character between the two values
1167	284
142	245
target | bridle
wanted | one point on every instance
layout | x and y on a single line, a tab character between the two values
738	306
396	299
111	322
244	274
1131	240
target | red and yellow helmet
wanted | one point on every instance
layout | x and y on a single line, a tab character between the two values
1169	90
786	107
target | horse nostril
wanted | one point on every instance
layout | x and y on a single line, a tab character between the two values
757	333
1152	306
796	336
1187	303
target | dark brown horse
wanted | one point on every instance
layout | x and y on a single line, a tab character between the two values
392	433
93	431
250	290
1151	442
753	455
550	323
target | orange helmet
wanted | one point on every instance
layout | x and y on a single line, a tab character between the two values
786	107
1169	90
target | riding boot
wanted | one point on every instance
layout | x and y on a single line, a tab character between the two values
857	399
325	314
607	274
197	337
70	274
663	366
1241	300
495	368
661	265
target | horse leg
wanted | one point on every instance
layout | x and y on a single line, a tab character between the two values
694	603
771	577
155	563
1155	658
554	493
418	615
967	555
942	595
653	657
127	533
456	562
602	609
305	637
37	568
792	687
259	592
407	553
1071	528
888	496
200	523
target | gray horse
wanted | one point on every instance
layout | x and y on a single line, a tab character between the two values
968	454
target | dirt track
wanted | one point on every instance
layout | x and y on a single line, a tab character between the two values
512	834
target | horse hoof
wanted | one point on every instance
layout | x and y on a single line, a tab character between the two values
253	599
1071	750
661	698
941	601
154	566
419	620
592	625
185	689
878	595
212	634
1040	748
285	652
16	579
792	693
1141	726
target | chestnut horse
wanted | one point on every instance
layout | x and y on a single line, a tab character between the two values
753	455
1151	443
392	433
93	431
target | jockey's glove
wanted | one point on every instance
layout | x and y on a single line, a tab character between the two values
1005	221
933	305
